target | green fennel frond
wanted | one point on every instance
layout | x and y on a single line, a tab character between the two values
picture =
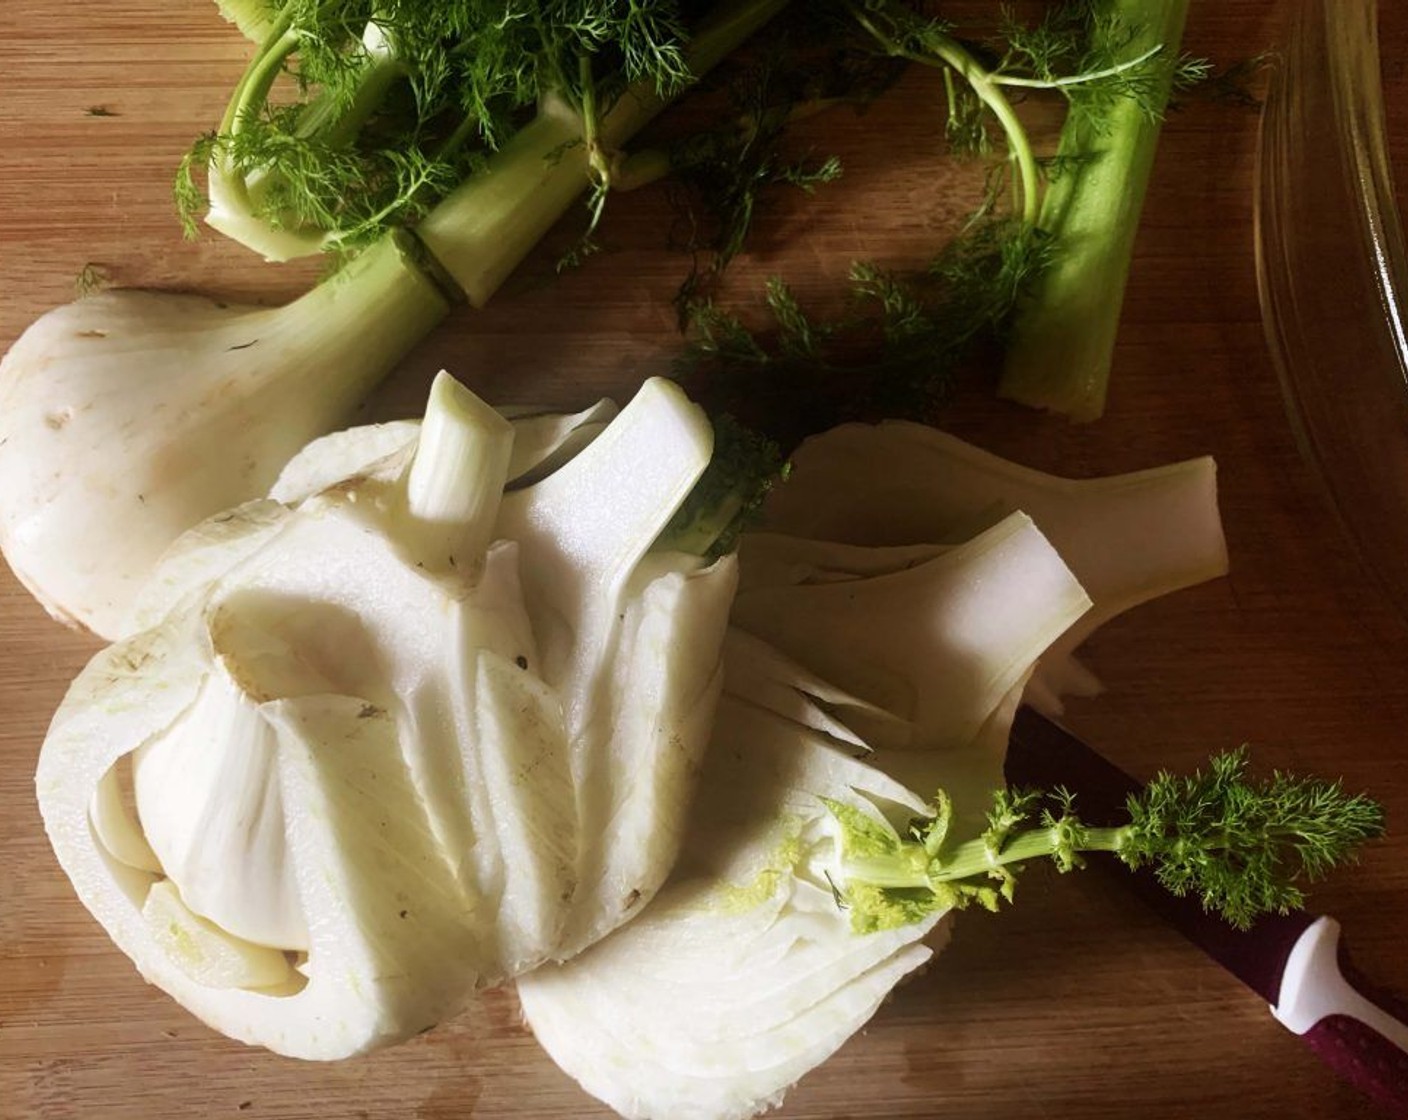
899	349
906	337
386	108
186	192
1244	847
722	177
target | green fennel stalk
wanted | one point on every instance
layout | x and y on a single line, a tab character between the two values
293	179
1045	226
1063	337
485	226
387	107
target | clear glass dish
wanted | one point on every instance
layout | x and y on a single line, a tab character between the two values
1332	273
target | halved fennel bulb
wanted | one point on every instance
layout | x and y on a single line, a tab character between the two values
1128	538
358	746
744	973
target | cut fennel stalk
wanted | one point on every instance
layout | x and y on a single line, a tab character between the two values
1063	336
478	231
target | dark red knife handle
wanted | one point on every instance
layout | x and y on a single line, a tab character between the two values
1363	1058
1360	1054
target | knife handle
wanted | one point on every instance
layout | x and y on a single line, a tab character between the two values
1359	1033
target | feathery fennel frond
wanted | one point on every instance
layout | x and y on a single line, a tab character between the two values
1243	846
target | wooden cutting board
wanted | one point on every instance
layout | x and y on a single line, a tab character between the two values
1075	1003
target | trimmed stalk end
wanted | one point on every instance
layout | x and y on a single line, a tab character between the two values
456	478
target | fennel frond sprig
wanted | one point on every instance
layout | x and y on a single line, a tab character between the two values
1242	846
899	348
395	104
1075	51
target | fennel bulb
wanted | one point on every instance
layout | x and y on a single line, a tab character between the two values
1128	538
356	745
744	973
129	416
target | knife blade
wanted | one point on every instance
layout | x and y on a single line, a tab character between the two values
1296	962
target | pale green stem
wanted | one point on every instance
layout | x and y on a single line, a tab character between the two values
456	478
911	868
951	55
1064	336
338	340
1076	79
259	78
483	229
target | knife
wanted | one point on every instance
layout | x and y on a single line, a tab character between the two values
1296	962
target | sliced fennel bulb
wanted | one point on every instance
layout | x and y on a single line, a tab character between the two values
935	639
464	696
624	624
620	629
350	749
744	973
909	633
1128	538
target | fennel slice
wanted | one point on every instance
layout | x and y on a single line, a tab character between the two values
656	707
720	995
1126	537
542	443
937	644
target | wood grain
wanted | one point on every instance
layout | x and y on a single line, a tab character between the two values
1074	1004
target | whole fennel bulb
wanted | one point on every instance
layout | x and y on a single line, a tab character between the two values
129	416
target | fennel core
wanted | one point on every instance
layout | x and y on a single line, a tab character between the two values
1242	846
